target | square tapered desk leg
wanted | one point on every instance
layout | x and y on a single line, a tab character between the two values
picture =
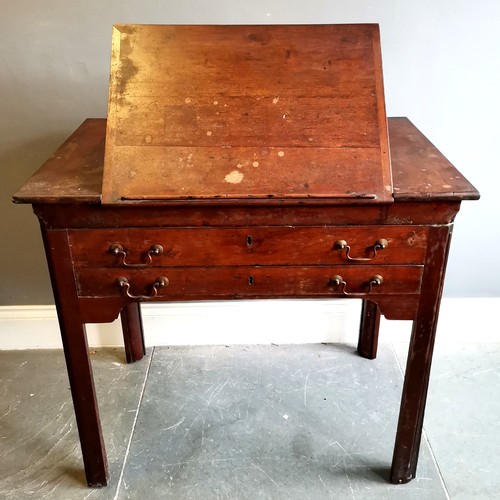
77	356
133	332
368	330
418	367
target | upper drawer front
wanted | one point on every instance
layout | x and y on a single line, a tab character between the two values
248	246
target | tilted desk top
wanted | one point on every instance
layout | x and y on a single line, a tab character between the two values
246	112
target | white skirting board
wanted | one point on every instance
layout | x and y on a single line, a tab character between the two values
250	322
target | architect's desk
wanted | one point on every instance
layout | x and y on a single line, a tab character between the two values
105	260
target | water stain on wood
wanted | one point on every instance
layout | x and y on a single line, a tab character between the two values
234	177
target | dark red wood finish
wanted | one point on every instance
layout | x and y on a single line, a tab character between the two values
281	259
368	330
418	367
133	333
251	245
77	356
421	174
246	112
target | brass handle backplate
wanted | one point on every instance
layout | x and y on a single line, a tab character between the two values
117	249
342	245
125	285
337	280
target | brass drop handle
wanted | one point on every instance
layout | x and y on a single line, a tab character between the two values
117	249
342	245
125	285
337	280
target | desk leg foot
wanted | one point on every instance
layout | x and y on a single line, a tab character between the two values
84	399
368	330
418	367
411	417
133	333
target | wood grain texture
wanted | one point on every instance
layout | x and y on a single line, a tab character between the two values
246	152
369	330
418	365
249	281
420	171
76	352
133	332
202	214
73	174
248	246
204	112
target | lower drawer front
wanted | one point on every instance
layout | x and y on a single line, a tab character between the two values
248	281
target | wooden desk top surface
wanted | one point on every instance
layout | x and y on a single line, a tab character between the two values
74	172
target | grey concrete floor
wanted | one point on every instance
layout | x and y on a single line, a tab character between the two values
251	422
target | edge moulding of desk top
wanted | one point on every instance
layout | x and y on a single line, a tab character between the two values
73	174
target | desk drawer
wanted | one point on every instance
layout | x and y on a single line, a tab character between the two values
247	281
248	246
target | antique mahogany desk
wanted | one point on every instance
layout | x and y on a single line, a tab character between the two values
258	179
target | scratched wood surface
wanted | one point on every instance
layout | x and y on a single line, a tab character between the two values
203	112
249	281
73	174
248	246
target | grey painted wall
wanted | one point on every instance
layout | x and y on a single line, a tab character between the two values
441	66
